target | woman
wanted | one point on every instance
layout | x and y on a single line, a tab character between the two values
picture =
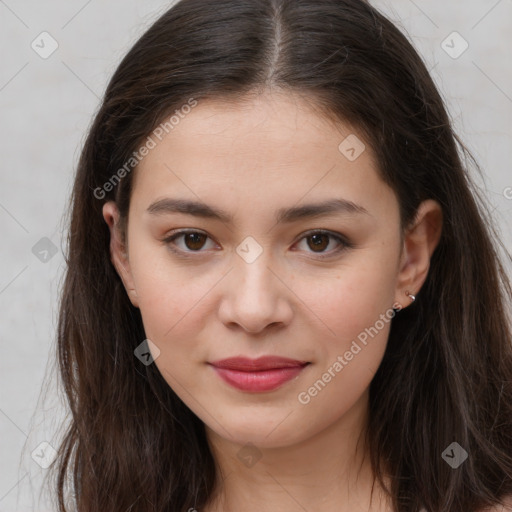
283	291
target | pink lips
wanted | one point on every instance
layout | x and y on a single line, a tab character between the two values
256	375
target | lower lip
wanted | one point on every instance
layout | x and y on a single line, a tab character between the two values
266	380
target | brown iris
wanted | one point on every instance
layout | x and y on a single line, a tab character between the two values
194	238
317	244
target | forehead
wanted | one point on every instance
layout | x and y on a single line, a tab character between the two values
288	123
275	147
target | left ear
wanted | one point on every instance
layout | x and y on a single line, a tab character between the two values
420	241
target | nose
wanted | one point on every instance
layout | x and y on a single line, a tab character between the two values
255	297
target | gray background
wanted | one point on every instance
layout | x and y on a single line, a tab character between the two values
46	107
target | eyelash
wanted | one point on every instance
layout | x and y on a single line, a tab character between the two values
345	244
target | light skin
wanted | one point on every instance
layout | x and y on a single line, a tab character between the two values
251	159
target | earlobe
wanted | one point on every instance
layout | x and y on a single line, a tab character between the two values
118	251
420	241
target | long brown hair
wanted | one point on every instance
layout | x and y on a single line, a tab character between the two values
446	375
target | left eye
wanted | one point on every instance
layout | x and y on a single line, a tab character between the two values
320	240
194	241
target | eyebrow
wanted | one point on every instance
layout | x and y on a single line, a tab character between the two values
283	215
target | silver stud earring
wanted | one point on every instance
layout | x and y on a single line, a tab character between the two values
411	296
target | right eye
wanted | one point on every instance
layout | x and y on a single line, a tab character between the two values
193	240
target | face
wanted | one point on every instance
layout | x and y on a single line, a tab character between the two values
265	278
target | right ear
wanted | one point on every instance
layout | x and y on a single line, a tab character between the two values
118	252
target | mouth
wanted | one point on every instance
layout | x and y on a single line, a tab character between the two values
266	373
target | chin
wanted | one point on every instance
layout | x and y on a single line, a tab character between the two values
260	431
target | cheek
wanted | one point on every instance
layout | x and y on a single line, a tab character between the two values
354	312
356	319
165	295
171	309
352	297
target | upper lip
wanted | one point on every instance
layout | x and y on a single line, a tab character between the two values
261	363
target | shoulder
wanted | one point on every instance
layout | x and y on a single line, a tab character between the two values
506	507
